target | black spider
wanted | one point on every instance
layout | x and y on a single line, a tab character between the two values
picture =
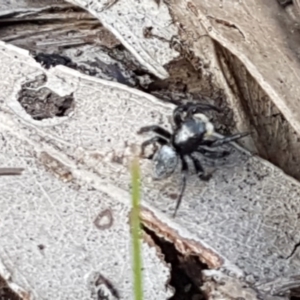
190	135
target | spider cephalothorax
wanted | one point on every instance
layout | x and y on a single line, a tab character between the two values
189	136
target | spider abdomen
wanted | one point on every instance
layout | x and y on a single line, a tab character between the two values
165	162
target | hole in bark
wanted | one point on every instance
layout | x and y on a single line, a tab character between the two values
48	60
42	103
186	276
6	293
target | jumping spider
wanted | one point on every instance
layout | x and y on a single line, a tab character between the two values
189	136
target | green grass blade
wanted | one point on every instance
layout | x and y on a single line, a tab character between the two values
136	230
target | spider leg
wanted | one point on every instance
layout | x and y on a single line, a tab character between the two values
184	172
199	169
157	129
156	139
225	140
212	153
191	109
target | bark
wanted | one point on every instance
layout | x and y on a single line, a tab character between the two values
242	225
61	237
255	46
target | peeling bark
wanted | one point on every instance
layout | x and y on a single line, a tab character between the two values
256	65
250	243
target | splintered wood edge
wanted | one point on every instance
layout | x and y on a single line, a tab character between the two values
185	246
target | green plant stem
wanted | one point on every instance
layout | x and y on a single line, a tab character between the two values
136	229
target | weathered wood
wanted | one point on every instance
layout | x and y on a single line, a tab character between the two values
237	222
245	220
255	47
247	50
58	231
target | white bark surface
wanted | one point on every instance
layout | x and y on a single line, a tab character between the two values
248	50
54	240
77	167
244	222
128	20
